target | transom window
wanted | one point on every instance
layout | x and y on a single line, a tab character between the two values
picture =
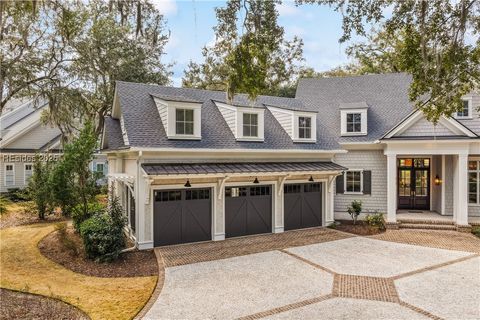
465	112
304	127
28	172
354	122
474	182
9	175
184	121
353	181
250	125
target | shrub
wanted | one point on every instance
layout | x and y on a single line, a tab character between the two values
354	210
476	231
79	214
66	241
376	221
17	195
4	203
39	187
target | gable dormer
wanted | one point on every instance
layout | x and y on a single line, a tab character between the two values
299	125
354	119
180	119
246	123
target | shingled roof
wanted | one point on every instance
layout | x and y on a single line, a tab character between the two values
144	127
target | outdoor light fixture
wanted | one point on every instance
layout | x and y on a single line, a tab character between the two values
438	181
311	179
256	180
187	185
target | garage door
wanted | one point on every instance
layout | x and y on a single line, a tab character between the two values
303	205
182	216
248	210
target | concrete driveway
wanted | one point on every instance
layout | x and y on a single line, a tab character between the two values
335	277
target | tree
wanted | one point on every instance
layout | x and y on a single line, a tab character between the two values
39	187
433	48
250	55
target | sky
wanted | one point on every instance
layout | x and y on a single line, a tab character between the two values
190	23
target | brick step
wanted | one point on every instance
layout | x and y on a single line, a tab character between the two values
426	226
432	222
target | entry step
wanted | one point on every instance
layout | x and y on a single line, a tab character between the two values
427	226
427	222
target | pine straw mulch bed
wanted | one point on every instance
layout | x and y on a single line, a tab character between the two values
19	305
129	264
361	228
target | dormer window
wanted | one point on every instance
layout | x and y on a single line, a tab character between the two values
304	127
466	112
184	121
250	125
353	117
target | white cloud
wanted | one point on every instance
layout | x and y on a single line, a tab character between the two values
166	7
288	9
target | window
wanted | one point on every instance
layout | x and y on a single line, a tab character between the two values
304	127
99	167
465	112
474	182
184	121
9	175
28	172
250	125
354	122
353	181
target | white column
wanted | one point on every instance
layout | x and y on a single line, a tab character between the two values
278	195
443	174
461	201
392	188
219	211
329	203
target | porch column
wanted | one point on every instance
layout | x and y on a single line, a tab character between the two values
391	188
461	195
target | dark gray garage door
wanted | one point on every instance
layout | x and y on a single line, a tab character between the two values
303	205
182	216
248	210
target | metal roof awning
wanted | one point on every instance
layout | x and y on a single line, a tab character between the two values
169	169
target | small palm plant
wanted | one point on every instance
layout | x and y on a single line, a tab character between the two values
354	210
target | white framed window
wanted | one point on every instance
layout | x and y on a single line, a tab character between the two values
28	172
304	127
181	120
184	121
9	174
466	112
250	124
474	182
353	181
353	122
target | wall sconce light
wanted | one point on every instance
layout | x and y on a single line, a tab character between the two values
256	180
187	185
438	181
311	179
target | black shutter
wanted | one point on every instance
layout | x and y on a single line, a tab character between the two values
367	182
339	184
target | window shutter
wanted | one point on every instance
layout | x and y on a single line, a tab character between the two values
339	184
367	182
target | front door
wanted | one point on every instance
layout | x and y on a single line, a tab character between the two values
414	184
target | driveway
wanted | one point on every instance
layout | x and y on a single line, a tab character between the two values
321	273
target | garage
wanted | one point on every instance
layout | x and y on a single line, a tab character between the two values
248	210
302	205
182	216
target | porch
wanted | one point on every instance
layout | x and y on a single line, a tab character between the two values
430	217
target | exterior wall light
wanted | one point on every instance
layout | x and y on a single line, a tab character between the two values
256	180
438	181
311	179
187	185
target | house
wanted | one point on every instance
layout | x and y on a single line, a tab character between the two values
190	166
22	137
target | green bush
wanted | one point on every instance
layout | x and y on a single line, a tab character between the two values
79	214
17	195
67	242
476	231
4	202
103	234
354	210
376	221
39	188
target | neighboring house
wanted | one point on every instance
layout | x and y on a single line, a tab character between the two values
189	166
23	137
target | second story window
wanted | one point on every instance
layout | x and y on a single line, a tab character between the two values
184	121
465	112
304	127
250	125
354	122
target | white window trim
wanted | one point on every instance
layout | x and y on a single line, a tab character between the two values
96	166
345	182
25	172
477	171
313	128
171	123
239	123
470	109
364	121
5	176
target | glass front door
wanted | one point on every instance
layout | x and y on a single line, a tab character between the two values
414	184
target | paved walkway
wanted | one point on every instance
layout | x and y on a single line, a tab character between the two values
322	273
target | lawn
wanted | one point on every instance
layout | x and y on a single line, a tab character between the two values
24	268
